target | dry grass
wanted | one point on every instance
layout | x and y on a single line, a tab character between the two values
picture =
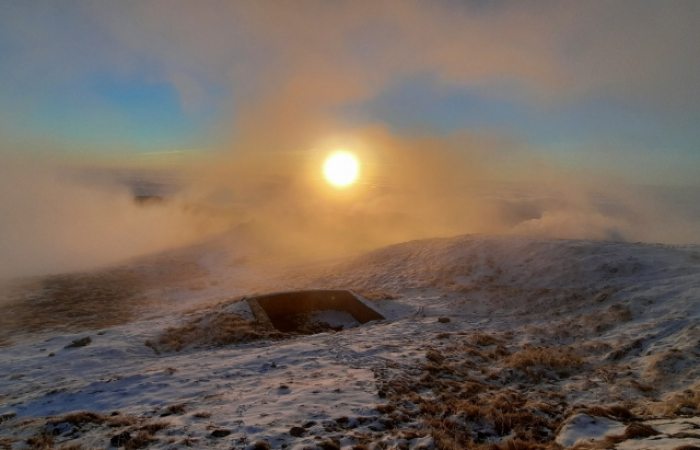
681	403
87	300
7	443
533	361
141	440
484	340
154	427
639	430
377	294
216	328
615	412
41	442
121	421
672	364
611	317
517	444
189	441
385	408
71	302
459	403
7	417
80	418
178	408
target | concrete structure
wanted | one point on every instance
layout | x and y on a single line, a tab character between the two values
277	309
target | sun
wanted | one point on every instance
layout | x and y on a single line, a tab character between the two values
341	169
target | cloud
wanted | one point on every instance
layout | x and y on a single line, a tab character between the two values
55	221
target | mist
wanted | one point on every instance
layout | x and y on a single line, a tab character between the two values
58	218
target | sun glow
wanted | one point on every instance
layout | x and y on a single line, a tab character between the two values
341	169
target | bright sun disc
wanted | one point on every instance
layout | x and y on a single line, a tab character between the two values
341	169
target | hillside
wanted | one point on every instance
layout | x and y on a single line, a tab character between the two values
489	342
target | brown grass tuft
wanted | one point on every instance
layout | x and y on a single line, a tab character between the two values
189	441
434	356
680	403
121	421
517	444
154	427
141	440
639	430
615	412
377	295
484	340
216	328
532	360
178	408
80	418
385	408
41	442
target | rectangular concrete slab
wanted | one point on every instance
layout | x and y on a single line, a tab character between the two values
276	308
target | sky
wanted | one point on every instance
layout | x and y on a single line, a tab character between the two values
551	118
595	86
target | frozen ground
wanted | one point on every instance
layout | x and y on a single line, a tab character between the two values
489	341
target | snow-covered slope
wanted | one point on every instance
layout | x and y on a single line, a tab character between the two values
488	340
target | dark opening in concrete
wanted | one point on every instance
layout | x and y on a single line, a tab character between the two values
312	311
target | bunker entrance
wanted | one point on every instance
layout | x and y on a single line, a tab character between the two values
312	311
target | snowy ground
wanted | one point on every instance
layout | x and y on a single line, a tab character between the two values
488	340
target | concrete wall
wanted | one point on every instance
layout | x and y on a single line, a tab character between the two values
281	304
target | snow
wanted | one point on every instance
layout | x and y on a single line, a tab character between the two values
582	427
631	310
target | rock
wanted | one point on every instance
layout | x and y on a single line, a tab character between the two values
59	428
297	431
120	439
687	410
552	375
376	426
308	424
443	319
351	423
261	445
220	433
79	342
